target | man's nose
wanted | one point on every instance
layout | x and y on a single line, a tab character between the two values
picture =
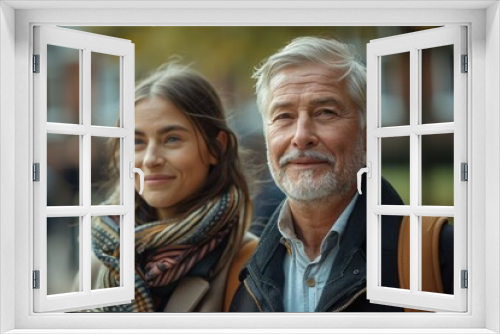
305	134
153	157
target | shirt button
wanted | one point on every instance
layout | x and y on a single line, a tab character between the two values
311	282
356	271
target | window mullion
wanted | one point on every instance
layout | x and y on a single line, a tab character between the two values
414	169
85	181
77	130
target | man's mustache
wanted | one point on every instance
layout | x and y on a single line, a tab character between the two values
296	154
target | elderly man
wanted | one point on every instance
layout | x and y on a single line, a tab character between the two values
312	254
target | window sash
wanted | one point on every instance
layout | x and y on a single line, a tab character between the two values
413	43
85	43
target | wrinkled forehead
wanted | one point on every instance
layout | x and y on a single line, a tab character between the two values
304	74
294	81
307	83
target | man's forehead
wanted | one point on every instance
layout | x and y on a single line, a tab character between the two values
304	75
308	78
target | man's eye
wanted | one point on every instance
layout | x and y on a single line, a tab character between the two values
282	116
326	113
139	141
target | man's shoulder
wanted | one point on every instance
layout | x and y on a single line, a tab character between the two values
389	195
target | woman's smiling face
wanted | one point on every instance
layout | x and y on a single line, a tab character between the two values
172	154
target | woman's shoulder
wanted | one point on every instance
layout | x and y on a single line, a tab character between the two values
246	250
249	237
244	254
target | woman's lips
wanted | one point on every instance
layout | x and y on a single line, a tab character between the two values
154	179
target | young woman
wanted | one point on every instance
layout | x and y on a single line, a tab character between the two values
193	214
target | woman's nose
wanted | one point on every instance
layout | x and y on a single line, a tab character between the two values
153	157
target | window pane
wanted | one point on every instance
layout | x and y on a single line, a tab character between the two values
395	165
437	271
437	84
63	85
106	243
105	89
437	169
102	149
63	255
63	170
389	255
395	98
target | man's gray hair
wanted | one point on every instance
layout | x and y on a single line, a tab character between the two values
315	50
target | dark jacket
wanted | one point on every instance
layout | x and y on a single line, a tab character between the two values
263	277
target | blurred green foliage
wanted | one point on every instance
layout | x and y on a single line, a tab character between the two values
228	55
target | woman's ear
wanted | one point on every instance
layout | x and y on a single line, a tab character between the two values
222	139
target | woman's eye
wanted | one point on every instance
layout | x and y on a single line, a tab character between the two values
172	139
139	141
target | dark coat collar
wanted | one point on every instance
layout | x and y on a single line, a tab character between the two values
348	273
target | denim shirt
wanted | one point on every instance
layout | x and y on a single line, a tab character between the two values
305	279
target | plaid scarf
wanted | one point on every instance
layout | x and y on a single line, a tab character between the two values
168	248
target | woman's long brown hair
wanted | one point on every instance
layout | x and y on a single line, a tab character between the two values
191	93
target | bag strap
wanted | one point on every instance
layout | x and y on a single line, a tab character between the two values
431	269
246	251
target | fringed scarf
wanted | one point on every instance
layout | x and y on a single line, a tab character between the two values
168	249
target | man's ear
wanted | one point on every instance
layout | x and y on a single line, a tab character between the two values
222	139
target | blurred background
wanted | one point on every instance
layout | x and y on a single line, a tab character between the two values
227	57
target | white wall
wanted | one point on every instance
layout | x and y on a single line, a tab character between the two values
7	161
490	122
492	150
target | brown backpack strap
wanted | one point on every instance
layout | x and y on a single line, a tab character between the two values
246	251
431	269
404	254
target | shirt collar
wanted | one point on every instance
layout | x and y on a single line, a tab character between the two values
287	230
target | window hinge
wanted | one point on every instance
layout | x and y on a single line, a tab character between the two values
36	63
465	64
465	279
36	279
36	172
464	172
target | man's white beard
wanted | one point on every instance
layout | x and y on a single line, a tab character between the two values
307	188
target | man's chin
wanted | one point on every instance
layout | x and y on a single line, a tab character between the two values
313	199
310	191
305	178
305	193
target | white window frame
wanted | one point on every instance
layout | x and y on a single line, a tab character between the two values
413	44
84	43
16	21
